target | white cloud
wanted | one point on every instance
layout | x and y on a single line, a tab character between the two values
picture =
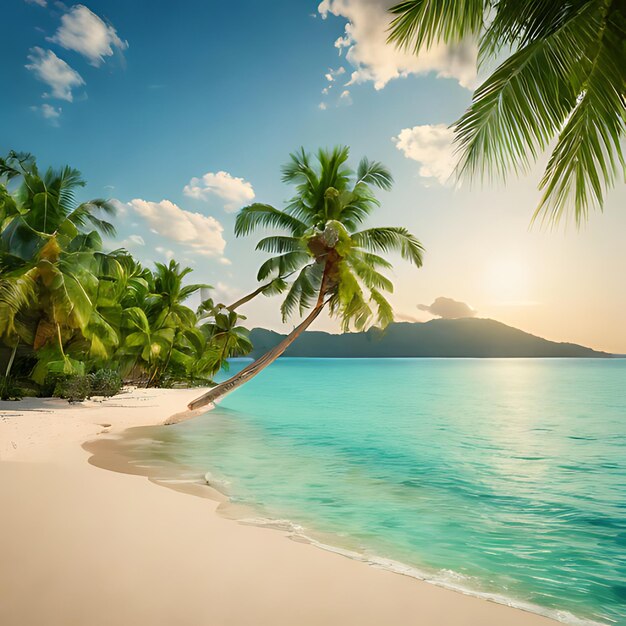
431	146
55	72
365	43
224	292
322	105
168	254
85	33
448	309
199	234
40	3
332	74
235	192
120	207
137	239
345	97
49	112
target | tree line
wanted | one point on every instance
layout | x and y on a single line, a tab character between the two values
70	308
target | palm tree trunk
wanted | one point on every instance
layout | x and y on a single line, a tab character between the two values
260	364
10	363
250	296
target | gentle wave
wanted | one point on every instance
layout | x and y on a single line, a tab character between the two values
448	579
503	479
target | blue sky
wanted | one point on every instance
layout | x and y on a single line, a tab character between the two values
149	98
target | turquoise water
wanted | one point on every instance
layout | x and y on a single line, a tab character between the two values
504	477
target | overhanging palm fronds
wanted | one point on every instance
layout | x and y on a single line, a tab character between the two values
564	79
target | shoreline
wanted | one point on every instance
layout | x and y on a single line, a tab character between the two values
112	454
178	552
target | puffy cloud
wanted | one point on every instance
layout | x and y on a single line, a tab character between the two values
168	254
365	43
225	293
137	239
84	32
332	74
49	112
55	72
199	234
235	192
447	308
431	146
120	208
322	105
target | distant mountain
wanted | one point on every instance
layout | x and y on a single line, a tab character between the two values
467	337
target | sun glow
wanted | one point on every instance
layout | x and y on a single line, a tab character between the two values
507	281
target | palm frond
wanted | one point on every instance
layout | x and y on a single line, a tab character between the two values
370	277
282	264
274	287
303	291
280	244
518	24
299	170
588	154
520	107
375	260
84	213
420	23
385	311
265	216
390	239
373	173
17	290
67	180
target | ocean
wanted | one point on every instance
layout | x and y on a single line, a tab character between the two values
504	478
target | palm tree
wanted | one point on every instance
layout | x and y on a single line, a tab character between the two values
69	307
49	258
155	321
563	79
335	262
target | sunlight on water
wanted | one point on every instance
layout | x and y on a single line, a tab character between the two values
506	477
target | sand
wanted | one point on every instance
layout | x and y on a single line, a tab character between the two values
81	545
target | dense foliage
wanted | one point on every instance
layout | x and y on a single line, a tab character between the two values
68	308
561	84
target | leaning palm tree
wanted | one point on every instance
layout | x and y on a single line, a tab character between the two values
563	81
335	263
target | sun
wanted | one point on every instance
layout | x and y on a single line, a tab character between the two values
507	280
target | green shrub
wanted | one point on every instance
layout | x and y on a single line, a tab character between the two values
9	390
73	387
105	383
46	390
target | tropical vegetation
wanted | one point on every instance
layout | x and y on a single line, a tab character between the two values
322	256
560	85
74	316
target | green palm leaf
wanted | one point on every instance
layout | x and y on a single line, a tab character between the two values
564	78
282	264
388	239
279	244
265	216
420	23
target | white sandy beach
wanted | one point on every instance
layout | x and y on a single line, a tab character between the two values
80	545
